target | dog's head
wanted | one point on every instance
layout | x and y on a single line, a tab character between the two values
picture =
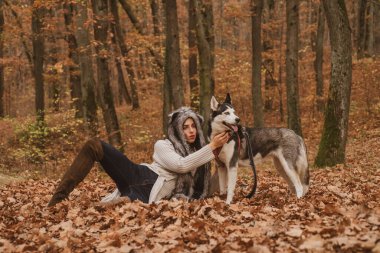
223	117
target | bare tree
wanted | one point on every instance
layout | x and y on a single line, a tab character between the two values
173	93
206	48
193	56
318	63
2	112
258	119
267	46
128	9
86	67
38	13
122	85
75	83
124	51
376	28
361	28
334	137
292	94
52	47
154	6
369	38
279	83
173	72
101	25
155	17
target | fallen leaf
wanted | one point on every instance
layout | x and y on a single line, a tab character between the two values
294	232
313	242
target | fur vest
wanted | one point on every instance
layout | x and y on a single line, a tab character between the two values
189	185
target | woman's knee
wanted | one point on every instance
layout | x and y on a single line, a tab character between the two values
94	147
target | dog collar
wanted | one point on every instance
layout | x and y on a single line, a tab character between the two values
217	150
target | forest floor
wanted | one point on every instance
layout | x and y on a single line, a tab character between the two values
340	213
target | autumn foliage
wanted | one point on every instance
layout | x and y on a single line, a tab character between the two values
340	213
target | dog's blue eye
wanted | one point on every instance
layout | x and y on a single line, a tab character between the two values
227	113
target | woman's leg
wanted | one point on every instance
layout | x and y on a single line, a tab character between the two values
132	180
91	152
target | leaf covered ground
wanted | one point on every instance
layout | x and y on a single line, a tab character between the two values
340	213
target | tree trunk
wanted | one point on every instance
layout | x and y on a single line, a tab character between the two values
74	72
173	72
268	63
258	119
86	67
140	54
369	30
313	14
193	66
334	137
53	77
235	33
353	17
376	35
122	85
128	9
220	29
206	45
154	6
155	18
208	23
279	85
124	50
38	60
100	10
2	111
318	63
167	103
292	29
361	28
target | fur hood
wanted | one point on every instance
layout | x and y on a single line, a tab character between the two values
175	132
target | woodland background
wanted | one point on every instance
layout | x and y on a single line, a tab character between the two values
70	70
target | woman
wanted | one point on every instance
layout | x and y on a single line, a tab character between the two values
184	151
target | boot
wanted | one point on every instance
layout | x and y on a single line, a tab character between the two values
91	152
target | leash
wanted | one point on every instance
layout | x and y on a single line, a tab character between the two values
252	163
217	150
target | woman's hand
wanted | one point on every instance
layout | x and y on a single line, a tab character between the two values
219	140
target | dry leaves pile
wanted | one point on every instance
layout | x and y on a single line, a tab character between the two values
340	213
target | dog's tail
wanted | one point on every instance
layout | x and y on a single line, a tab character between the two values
303	167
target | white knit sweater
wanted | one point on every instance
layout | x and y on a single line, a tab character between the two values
167	163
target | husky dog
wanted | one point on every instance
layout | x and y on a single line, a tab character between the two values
285	147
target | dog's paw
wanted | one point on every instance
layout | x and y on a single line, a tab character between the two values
203	196
181	196
299	193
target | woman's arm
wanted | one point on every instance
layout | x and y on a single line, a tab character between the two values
165	155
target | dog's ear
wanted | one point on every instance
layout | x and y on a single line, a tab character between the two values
214	104
228	99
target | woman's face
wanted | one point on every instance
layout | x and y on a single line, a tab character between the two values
189	130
